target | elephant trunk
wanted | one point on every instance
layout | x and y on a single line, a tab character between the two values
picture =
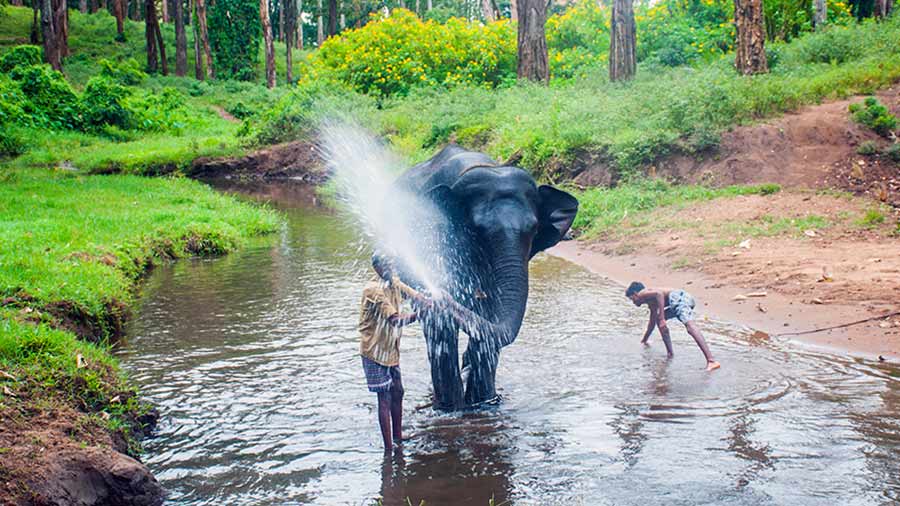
510	273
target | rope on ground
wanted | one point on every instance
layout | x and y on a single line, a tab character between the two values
888	315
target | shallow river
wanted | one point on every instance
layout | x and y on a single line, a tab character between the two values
252	360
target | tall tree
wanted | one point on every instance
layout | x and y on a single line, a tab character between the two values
320	34
750	51
150	35
204	38
883	8
532	41
280	20
61	25
513	9
299	23
622	62
198	55
82	6
267	40
49	33
487	10
820	14
332	18
119	12
161	45
180	39
164	5
289	20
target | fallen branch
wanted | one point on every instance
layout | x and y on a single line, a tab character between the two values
888	315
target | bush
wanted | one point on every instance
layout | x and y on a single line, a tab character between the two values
159	111
390	56
12	142
51	102
20	56
127	72
11	100
874	115
234	35
103	103
893	152
867	148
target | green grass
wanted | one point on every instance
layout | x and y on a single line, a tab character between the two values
601	210
86	239
871	219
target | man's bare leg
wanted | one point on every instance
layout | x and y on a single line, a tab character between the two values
384	419
692	329
397	411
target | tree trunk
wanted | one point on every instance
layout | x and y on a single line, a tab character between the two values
289	20
750	53
35	37
161	45
150	36
299	23
48	31
61	27
487	10
430	6
343	17
882	8
513	11
332	18
622	63
164	5
267	40
198	56
119	13
281	21
204	38
16	3
180	40
92	6
320	35
82	6
532	41
820	14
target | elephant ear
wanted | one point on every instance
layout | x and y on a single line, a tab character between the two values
556	212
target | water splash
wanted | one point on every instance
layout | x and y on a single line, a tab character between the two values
363	170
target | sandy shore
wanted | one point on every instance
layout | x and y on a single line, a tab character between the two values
774	314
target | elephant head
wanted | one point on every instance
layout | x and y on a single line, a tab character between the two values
504	218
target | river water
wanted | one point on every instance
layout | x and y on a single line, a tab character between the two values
252	360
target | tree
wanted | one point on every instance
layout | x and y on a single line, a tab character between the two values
154	39
234	36
180	39
267	40
49	33
883	8
513	9
750	50
289	20
532	41
61	25
165	10
119	12
487	10
622	62
82	6
320	34
332	18
820	14
204	37
198	55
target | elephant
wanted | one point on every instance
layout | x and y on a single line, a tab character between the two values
490	220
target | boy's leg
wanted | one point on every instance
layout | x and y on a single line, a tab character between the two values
397	406
701	342
384	418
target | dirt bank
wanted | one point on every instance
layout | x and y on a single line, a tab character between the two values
296	160
816	258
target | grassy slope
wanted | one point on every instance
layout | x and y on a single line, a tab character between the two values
71	250
92	38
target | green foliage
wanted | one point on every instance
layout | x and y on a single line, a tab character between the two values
160	111
390	56
234	35
867	148
11	100
12	141
872	218
51	102
874	115
603	209
24	55
126	72
893	152
103	103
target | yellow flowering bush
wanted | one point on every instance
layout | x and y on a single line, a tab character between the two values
577	38
391	55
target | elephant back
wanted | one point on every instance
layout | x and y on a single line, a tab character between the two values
444	168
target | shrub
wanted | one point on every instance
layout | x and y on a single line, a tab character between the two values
51	102
103	103
893	152
24	55
11	100
392	55
871	219
867	148
127	72
874	115
12	142
234	35
159	111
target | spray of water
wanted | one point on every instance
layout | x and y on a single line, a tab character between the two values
363	170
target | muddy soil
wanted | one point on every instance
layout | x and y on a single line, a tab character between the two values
296	160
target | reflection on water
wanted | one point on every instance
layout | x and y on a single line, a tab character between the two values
252	359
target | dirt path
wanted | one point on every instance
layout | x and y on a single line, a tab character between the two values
817	260
227	116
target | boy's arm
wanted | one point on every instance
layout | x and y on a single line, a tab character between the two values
661	322
651	325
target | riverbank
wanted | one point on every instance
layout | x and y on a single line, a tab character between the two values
74	250
821	259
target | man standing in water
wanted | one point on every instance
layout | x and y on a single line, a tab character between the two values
666	304
380	323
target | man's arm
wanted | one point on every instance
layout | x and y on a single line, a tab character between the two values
401	320
661	322
651	325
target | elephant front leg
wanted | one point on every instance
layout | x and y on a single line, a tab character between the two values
443	354
481	359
